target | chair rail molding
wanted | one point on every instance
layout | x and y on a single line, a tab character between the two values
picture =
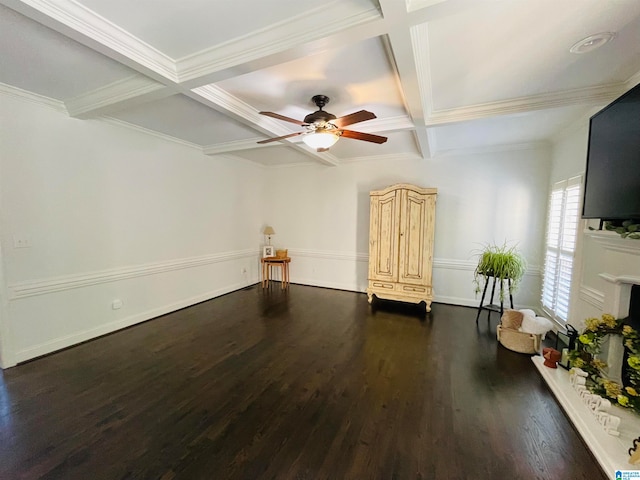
45	286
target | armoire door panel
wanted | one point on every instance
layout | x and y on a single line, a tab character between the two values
384	237
412	238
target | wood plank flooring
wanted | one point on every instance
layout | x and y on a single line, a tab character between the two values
308	383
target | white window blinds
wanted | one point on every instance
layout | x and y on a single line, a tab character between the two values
562	229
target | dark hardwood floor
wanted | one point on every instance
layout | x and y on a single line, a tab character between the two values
306	384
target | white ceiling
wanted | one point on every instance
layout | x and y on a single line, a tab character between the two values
441	75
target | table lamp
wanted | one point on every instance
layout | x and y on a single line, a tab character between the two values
268	231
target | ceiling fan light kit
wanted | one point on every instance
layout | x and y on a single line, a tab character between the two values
320	140
323	129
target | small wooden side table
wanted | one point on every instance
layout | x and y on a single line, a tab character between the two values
282	262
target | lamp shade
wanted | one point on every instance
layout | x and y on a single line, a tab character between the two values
320	139
268	230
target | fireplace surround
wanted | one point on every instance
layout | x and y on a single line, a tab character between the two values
614	285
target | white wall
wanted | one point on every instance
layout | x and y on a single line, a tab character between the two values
322	216
593	252
111	213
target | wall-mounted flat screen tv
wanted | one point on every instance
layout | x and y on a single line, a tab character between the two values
612	179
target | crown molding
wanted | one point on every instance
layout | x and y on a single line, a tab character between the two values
290	165
41	100
82	20
583	122
514	147
390	124
395	157
94	103
237	145
130	126
313	25
413	5
580	96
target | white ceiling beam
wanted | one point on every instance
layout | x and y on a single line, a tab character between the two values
84	26
296	37
118	95
275	54
401	46
91	30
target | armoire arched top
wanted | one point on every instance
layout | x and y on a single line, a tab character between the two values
405	186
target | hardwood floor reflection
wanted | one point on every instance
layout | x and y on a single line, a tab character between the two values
305	383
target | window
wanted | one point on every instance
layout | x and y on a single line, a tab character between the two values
562	229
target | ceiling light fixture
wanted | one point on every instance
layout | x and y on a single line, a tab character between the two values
592	42
320	140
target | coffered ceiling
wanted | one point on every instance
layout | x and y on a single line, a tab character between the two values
440	75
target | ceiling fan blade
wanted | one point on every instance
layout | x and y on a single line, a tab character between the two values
352	118
367	137
282	117
275	139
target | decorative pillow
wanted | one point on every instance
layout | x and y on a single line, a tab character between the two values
512	319
536	325
527	311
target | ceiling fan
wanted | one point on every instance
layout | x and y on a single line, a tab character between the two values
323	129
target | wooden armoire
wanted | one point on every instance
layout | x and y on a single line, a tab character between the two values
401	243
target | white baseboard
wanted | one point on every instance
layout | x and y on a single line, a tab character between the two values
350	287
79	337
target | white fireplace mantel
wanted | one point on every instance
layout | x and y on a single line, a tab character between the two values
614	242
616	301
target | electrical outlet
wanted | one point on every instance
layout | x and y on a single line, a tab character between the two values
21	241
116	304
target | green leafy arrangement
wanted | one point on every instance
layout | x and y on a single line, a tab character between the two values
626	229
586	358
501	262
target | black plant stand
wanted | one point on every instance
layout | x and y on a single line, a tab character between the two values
491	307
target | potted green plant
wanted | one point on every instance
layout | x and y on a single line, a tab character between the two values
501	262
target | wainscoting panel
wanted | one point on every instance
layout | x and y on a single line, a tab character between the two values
592	296
452	278
54	313
50	314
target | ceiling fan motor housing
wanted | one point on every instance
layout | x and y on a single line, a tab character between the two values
320	116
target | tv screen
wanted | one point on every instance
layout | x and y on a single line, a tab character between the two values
612	180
